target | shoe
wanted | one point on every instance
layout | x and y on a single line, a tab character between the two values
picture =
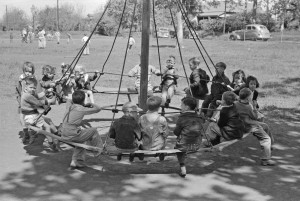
182	175
25	137
76	164
268	162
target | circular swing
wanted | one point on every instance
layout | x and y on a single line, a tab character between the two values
161	154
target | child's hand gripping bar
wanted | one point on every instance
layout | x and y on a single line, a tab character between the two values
45	112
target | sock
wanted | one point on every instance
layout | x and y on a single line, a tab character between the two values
182	169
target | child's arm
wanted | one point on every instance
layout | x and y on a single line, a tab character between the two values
196	78
34	101
91	109
47	84
112	132
164	128
223	119
178	128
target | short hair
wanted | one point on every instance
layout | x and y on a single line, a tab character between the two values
30	80
78	97
47	69
245	93
251	78
191	102
221	64
229	97
153	102
173	57
27	65
194	60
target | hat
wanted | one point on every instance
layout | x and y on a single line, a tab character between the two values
130	106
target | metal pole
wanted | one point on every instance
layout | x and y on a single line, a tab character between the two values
6	19
57	16
145	54
224	28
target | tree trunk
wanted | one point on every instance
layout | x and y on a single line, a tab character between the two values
254	10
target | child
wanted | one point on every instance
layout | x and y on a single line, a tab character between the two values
252	84
218	87
48	83
229	126
238	81
86	50
154	127
169	81
67	83
30	103
125	131
189	131
136	72
258	129
83	81
11	35
57	35
28	71
131	42
71	131
198	81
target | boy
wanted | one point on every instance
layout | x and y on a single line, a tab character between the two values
189	131
28	71
131	42
126	130
229	126
30	103
71	131
136	72
154	127
258	129
198	81
169	81
218	87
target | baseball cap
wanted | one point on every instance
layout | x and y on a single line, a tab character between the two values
130	106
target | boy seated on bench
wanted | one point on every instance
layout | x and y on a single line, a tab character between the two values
189	131
259	129
229	126
71	130
154	127
126	131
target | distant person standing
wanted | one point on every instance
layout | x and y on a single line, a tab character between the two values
69	38
131	42
57	35
42	39
30	36
24	35
11	36
86	50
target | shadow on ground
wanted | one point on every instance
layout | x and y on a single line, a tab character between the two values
234	174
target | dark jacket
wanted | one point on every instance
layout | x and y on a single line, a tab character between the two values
232	127
189	128
199	80
124	131
218	87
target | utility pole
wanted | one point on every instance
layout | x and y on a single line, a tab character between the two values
224	28
6	19
145	54
57	17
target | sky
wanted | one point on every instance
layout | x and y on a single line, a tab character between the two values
89	6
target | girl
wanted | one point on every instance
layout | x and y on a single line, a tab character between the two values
252	84
83	81
48	83
238	81
67	83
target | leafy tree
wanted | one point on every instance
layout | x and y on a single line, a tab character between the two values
16	18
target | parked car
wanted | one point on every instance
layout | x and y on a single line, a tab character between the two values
251	32
162	32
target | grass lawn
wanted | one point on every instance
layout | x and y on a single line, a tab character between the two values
30	172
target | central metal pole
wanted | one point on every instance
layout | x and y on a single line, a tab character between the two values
57	16
145	54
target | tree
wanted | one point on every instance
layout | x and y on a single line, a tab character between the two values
16	18
34	11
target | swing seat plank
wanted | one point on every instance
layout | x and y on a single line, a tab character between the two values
73	144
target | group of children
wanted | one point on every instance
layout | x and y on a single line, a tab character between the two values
236	114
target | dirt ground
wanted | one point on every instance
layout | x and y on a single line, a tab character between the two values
34	173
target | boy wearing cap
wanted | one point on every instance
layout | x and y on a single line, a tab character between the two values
218	87
260	131
125	131
154	127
